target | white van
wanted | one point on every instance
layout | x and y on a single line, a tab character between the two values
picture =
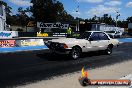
114	34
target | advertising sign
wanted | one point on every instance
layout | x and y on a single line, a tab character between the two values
52	25
8	34
30	42
7	43
39	34
59	34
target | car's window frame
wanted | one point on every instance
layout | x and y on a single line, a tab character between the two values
98	36
104	34
92	35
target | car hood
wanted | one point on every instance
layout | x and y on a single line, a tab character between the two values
115	41
66	40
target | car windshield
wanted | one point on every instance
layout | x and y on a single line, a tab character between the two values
84	35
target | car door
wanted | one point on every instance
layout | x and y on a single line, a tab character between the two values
104	41
93	42
86	46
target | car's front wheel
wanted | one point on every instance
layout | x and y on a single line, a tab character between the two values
76	53
108	51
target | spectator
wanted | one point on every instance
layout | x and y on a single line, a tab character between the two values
69	32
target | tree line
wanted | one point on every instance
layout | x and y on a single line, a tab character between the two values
53	11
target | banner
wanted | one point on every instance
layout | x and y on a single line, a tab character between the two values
59	34
52	25
30	42
39	34
7	43
8	34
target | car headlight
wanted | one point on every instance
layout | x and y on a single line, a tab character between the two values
65	46
62	45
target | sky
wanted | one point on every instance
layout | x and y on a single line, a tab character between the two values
86	8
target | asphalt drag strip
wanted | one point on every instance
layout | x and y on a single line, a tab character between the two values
23	68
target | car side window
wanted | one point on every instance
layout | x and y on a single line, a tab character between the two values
94	37
85	35
103	36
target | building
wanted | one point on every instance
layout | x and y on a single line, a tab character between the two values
130	28
2	18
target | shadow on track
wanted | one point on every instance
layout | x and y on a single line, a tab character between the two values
66	57
53	57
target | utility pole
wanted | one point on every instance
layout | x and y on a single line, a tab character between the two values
117	15
77	11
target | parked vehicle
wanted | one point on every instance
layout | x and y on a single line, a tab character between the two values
89	41
114	34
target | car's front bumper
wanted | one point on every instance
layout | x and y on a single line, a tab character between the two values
58	48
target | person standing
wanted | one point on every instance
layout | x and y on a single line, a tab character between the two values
69	32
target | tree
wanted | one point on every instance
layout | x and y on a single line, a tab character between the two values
129	19
49	11
22	16
7	8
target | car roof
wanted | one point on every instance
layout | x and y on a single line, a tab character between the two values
94	31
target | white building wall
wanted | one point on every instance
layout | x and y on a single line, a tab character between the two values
103	27
130	26
2	18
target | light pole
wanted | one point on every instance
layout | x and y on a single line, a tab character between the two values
77	11
117	15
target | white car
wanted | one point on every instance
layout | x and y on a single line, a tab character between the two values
114	34
88	41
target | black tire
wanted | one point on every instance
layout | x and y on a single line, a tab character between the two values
108	51
76	53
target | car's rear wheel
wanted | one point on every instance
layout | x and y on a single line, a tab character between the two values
76	53
108	51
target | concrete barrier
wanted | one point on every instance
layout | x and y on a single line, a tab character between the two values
23	44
